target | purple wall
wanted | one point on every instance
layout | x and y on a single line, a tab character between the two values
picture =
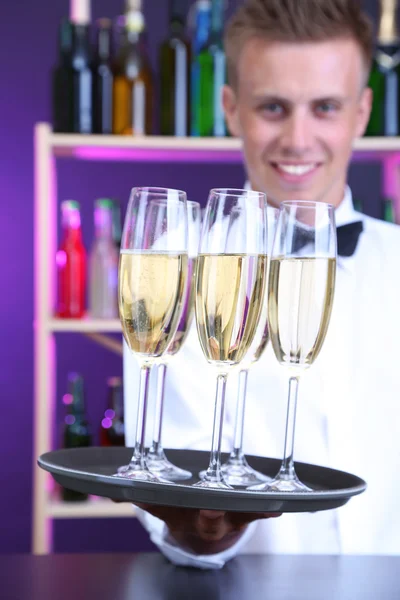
28	33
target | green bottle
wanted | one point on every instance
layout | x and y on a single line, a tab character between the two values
388	213
358	205
385	75
210	70
76	428
200	96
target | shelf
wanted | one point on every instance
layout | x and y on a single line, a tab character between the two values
94	508
179	149
145	148
85	325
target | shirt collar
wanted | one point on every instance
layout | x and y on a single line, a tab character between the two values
344	213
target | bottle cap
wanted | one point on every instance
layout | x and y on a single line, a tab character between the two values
103	23
104	203
114	382
134	21
70	205
134	5
80	12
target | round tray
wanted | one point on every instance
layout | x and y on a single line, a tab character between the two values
90	470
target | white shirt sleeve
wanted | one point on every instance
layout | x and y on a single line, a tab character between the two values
160	536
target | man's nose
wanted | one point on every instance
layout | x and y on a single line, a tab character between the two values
297	134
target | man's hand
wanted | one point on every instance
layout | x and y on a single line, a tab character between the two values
204	531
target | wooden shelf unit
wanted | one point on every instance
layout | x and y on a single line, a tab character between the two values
49	146
94	507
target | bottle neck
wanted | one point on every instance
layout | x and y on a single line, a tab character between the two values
77	405
217	19
103	223
81	41
388	32
176	18
65	40
116	223
202	27
103	45
71	225
115	402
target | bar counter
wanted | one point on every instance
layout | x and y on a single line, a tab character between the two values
151	577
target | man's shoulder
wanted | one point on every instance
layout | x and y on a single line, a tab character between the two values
387	233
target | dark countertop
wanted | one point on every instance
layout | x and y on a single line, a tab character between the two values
151	577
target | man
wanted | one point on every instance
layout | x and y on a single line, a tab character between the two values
298	98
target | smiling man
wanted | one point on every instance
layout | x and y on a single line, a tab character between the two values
298	98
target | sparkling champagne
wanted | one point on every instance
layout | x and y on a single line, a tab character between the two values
299	306
187	311
151	291
230	292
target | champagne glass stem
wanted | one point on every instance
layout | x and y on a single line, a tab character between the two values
156	448
287	468
237	452
213	472
138	453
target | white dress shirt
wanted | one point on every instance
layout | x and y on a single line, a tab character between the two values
348	414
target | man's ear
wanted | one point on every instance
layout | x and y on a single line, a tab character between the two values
364	111
229	103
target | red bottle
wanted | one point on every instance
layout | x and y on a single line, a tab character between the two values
71	264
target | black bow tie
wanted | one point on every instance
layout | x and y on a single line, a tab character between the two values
347	238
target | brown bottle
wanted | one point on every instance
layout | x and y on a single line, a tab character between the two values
133	80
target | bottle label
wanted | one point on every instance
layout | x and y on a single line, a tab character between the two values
85	102
138	107
391	104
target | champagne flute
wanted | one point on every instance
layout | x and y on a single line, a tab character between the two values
230	284
156	459
236	470
300	298
151	287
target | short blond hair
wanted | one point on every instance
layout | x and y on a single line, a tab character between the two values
297	21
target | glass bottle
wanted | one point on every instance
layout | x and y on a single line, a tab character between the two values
81	67
76	432
103	264
385	75
71	264
102	78
133	80
388	211
112	431
62	81
174	60
199	112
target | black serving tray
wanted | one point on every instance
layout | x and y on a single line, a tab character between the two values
91	470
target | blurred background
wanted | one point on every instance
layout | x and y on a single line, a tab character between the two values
30	37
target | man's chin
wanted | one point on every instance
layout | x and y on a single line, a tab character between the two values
276	197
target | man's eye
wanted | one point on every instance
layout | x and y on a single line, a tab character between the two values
272	108
327	108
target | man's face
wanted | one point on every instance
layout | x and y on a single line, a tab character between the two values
298	109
